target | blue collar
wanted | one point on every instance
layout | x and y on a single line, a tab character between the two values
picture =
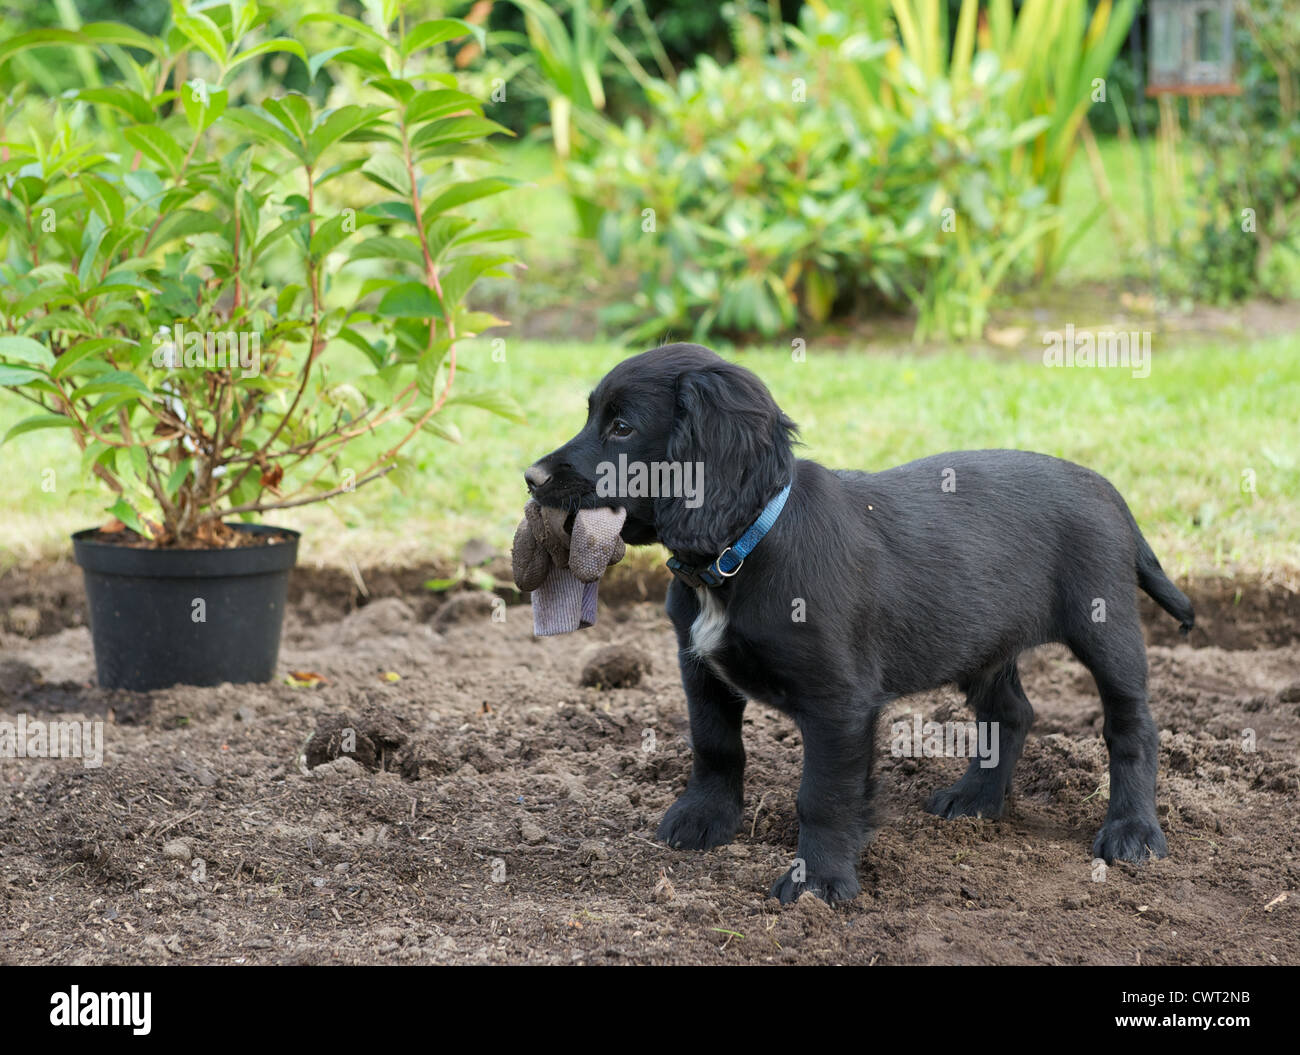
731	558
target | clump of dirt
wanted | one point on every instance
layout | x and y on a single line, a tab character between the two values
464	607
615	667
494	810
372	740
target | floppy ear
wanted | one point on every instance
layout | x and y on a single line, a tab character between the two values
737	443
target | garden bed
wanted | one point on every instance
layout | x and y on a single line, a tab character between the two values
494	764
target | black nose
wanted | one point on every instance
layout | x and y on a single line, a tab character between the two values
535	476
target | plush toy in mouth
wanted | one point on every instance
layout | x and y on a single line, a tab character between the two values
559	557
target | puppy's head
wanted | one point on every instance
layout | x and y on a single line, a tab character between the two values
692	446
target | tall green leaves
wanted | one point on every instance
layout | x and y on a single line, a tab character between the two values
1058	55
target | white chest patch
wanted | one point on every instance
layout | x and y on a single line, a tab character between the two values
709	626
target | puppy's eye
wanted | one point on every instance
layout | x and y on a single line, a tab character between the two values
620	430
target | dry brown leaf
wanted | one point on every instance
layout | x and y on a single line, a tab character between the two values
271	477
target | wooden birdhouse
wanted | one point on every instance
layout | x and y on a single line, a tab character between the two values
1190	48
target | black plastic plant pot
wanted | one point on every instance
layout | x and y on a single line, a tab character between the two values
161	617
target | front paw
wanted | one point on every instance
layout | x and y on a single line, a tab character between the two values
1129	839
830	887
699	822
968	799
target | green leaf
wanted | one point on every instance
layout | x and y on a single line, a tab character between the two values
91	35
139	462
29	189
38	421
465	271
495	402
133	104
243	14
178	475
374	354
48	295
156	145
185	223
203	104
428	105
455	130
438	31
284	302
25	350
97	453
356	25
472	323
389	172
10	376
268	46
62	321
609	236
283	230
124	512
398	210
468	191
1029	130
114	383
293	111
366	61
410	300
103	197
442	232
82	350
446	430
263	128
342	122
341	169
388	247
144	184
201	31
489	234
328	237
90	250
430	361
319	59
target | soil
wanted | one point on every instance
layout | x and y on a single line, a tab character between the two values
436	786
213	535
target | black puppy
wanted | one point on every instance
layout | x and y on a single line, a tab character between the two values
867	587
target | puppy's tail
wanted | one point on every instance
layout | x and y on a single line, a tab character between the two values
1152	578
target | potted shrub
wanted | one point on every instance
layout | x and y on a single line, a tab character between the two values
171	246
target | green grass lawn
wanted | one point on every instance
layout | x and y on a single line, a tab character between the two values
1097	255
1177	444
1115	246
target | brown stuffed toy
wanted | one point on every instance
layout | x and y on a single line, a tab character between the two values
561	569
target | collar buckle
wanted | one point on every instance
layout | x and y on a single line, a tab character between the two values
687	574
